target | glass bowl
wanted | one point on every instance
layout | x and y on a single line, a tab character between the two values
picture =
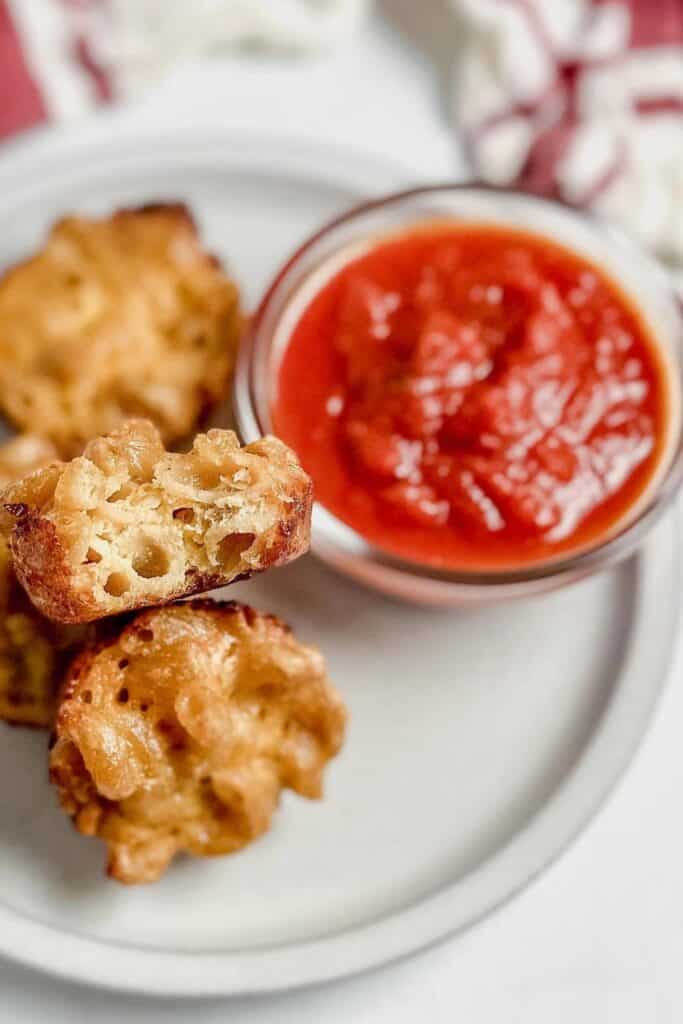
640	276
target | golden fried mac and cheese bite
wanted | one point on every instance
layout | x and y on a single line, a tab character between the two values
128	524
121	316
33	651
180	733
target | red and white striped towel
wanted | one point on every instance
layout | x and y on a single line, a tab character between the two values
60	58
578	99
47	70
581	100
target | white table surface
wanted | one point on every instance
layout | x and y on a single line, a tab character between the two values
599	938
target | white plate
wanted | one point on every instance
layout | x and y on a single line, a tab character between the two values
480	742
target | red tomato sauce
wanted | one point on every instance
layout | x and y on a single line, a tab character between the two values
474	397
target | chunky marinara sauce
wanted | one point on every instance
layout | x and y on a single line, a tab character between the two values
471	396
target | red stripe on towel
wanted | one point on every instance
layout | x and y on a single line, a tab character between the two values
21	103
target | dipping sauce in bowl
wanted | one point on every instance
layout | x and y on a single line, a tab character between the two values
474	397
484	385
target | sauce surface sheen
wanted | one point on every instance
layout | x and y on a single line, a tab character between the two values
474	397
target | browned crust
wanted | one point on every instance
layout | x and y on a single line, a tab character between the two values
141	849
42	566
173	208
78	667
136	622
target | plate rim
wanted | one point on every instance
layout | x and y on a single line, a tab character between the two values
190	147
539	843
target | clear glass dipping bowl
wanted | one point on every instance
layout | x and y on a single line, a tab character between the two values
641	277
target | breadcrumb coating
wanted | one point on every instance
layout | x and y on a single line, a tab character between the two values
120	316
128	524
180	733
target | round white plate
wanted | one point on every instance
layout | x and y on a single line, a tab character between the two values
480	742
